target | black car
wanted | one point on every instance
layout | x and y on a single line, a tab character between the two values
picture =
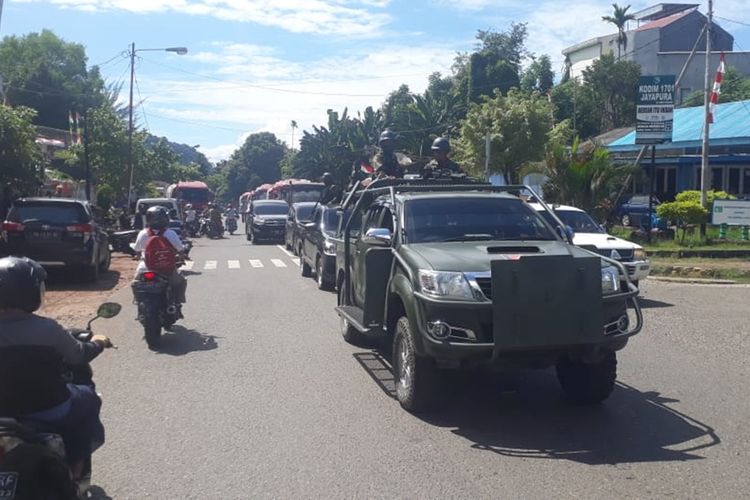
299	214
57	232
318	249
266	220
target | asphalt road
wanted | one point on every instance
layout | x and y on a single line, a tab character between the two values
255	394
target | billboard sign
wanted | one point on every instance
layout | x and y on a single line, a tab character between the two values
731	212
655	109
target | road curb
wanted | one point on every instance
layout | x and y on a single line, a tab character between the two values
703	281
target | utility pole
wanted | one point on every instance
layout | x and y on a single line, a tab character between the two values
705	170
130	124
487	149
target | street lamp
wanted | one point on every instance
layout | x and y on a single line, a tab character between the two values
177	50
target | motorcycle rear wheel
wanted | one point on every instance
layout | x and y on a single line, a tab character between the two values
152	331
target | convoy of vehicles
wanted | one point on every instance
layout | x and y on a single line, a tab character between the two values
57	232
592	236
296	191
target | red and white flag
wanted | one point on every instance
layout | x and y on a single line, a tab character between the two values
717	89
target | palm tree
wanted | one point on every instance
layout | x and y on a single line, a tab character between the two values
619	18
294	126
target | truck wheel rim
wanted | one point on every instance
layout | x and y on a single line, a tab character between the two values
404	368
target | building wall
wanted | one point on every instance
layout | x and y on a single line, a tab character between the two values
643	47
671	64
682	34
583	58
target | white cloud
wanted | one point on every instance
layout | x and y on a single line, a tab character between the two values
353	80
340	17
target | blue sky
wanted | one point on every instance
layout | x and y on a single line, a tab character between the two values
256	65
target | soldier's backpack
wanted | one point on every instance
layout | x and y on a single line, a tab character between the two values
159	254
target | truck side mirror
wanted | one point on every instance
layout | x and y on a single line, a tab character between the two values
378	236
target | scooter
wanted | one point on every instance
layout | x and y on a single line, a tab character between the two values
20	441
231	224
121	240
215	229
157	308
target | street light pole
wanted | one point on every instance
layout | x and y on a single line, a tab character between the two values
177	50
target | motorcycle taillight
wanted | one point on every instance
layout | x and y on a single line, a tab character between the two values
149	276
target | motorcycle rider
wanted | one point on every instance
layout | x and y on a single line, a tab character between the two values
158	223
191	219
231	211
386	159
139	220
33	350
332	192
441	148
213	214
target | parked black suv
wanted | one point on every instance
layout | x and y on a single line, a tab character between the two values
266	220
299	214
57	232
318	248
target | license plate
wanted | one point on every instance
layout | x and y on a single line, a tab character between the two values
8	484
45	235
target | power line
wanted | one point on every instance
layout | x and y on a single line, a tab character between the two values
141	101
732	20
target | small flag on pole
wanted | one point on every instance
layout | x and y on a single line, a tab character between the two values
717	89
70	127
78	128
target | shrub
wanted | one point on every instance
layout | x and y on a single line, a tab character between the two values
683	213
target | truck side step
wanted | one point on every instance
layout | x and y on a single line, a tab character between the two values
354	315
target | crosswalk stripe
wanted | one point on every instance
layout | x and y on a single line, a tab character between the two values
233	264
278	263
210	264
283	249
188	265
296	261
256	263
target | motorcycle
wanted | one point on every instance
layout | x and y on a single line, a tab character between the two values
21	441
157	308
121	240
192	228
231	224
204	226
215	229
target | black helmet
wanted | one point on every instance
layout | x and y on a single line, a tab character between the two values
441	144
386	135
21	284
157	218
327	178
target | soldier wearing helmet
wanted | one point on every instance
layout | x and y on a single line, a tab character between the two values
386	159
441	164
332	192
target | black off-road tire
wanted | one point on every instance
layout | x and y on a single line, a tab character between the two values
587	383
323	284
416	391
305	268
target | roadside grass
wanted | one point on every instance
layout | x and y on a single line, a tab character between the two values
729	269
693	240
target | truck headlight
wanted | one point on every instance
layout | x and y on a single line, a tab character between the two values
639	254
610	280
445	284
329	248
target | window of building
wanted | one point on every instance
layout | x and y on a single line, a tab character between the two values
717	178
733	181
746	182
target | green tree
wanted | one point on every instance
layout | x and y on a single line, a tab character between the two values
256	162
48	74
20	157
613	86
518	125
574	102
734	87
620	18
539	76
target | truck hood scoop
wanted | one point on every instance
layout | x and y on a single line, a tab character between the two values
513	249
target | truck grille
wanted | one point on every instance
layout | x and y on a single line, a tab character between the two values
626	254
486	285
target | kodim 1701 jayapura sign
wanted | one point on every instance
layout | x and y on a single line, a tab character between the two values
655	109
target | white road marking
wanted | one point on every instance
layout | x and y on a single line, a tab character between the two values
278	263
187	266
256	263
283	249
296	261
233	264
210	264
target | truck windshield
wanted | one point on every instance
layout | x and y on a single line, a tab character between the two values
472	219
308	194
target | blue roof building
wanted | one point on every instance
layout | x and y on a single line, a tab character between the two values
678	163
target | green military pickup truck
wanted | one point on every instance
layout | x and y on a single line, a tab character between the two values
465	275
